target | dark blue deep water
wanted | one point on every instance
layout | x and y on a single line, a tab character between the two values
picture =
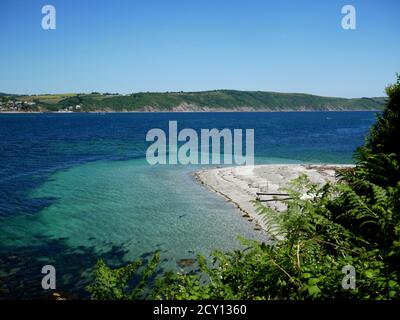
76	187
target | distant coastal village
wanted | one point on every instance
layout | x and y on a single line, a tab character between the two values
15	105
206	101
30	106
39	103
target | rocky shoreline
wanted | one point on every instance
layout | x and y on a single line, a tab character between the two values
239	185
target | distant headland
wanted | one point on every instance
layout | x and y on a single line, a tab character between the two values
206	101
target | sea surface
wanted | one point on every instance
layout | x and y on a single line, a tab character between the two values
77	187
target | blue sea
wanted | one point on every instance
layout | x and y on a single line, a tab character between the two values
75	188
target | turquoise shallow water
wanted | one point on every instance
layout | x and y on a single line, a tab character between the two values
123	210
135	206
74	188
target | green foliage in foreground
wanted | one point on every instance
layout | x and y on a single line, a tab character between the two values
116	284
355	222
308	263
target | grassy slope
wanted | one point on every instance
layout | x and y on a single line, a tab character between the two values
218	100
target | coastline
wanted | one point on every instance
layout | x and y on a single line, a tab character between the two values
240	185
189	111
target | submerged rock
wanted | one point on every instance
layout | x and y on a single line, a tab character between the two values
186	262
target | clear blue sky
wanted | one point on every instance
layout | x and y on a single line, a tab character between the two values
169	45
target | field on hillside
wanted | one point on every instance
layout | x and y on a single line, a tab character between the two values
216	100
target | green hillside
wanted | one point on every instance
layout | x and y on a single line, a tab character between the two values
217	100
